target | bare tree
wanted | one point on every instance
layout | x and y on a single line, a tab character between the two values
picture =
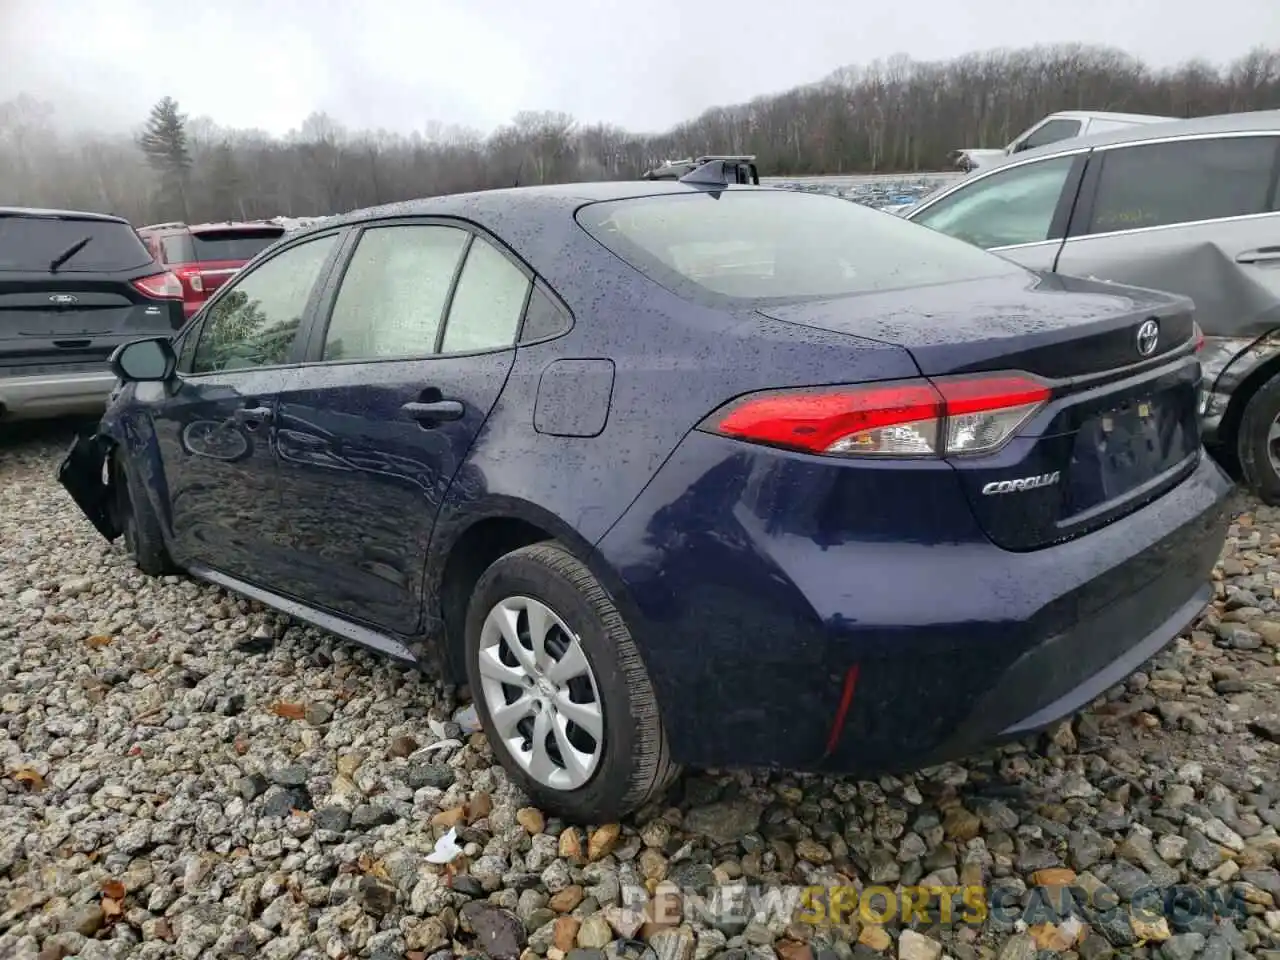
893	115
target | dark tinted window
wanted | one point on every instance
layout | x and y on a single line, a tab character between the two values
32	243
233	245
1051	132
255	321
778	246
1166	183
542	318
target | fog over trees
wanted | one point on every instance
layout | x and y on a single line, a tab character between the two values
890	116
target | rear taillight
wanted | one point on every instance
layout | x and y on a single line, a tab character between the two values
193	278
1198	335
160	286
944	417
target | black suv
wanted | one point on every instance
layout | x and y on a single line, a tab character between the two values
73	287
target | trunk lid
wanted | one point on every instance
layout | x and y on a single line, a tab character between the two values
1120	428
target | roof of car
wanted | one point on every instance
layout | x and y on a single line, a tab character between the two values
60	214
492	206
1255	120
222	225
233	225
1134	118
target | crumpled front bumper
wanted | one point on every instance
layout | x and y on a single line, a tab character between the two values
83	473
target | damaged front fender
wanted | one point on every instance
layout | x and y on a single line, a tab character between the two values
85	476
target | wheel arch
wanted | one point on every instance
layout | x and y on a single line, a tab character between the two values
469	544
1261	364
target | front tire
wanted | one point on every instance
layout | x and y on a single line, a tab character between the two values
138	522
560	688
1258	443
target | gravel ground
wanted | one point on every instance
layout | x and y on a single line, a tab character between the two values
183	773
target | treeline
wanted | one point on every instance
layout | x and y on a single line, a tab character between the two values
898	115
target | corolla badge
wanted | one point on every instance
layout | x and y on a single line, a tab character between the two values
63	299
1023	483
1148	338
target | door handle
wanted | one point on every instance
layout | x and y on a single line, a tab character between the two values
434	411
253	415
1261	255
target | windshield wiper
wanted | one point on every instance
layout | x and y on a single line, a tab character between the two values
68	253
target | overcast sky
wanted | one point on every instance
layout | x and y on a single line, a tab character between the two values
645	64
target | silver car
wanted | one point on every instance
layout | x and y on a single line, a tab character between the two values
1189	207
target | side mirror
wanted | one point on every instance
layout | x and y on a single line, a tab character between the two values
141	361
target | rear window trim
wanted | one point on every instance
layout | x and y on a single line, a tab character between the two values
692	292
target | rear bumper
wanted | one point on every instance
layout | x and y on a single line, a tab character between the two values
757	607
54	395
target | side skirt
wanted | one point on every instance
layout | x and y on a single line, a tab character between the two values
383	643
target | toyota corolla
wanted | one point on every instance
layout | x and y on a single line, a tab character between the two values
681	473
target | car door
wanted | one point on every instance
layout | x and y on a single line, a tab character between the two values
1195	216
414	350
214	427
1019	211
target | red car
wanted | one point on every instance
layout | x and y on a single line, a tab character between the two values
205	255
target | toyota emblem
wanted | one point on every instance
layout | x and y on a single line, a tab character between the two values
1148	337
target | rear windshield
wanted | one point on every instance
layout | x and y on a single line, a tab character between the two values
32	243
233	245
778	246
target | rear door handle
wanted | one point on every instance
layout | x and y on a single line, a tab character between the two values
434	411
1261	255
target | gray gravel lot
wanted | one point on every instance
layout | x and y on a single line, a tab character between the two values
185	774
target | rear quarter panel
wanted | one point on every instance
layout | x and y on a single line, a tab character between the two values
674	363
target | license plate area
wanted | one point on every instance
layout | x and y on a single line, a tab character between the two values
1124	448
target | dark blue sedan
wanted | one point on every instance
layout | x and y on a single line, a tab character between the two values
681	473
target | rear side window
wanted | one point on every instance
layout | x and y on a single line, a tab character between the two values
486	308
232	244
33	243
778	246
177	249
1159	184
1051	132
394	292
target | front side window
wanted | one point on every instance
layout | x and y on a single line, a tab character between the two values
1051	132
394	292
486	308
778	246
255	321
1158	184
1006	208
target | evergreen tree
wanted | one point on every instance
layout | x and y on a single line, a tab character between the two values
164	143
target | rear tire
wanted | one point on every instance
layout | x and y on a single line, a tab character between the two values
140	526
1258	450
628	764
